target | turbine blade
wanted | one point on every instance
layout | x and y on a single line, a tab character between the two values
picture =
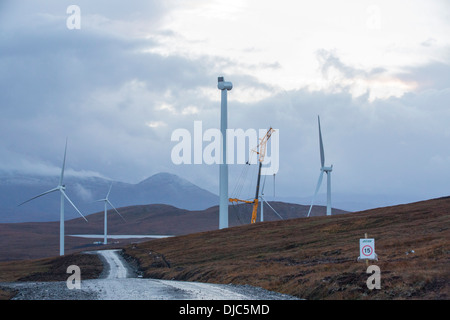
322	154
315	192
64	164
109	191
65	196
271	208
42	194
115	210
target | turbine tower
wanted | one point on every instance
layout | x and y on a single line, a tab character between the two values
61	188
323	169
223	86
106	201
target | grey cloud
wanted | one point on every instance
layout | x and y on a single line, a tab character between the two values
56	83
435	75
329	59
49	78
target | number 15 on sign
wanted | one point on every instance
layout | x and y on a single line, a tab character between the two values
367	249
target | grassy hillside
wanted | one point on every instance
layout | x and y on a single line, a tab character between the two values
312	258
316	258
33	240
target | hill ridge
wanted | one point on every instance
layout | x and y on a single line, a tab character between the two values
39	239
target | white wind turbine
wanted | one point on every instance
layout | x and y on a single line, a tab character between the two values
323	169
264	200
106	201
61	188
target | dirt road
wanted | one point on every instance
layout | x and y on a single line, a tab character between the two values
118	283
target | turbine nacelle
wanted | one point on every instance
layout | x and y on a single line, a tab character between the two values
224	85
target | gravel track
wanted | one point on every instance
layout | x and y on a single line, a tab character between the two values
118	282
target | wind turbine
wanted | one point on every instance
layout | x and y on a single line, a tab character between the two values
264	200
106	201
323	169
262	208
61	188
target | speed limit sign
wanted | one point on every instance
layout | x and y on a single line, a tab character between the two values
367	249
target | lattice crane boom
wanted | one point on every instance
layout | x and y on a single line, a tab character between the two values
261	154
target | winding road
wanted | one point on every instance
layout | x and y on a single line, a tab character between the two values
114	264
118	284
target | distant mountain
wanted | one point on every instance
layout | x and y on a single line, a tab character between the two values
161	188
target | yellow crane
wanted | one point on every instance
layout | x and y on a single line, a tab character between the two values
261	153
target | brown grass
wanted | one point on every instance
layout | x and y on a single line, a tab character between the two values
34	240
315	258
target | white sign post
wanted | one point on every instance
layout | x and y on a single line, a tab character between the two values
367	249
367	252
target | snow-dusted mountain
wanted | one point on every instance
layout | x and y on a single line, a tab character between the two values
163	188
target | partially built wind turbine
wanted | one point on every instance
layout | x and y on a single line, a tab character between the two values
264	200
262	208
106	201
323	169
61	188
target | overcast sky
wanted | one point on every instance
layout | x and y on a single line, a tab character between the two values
377	73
